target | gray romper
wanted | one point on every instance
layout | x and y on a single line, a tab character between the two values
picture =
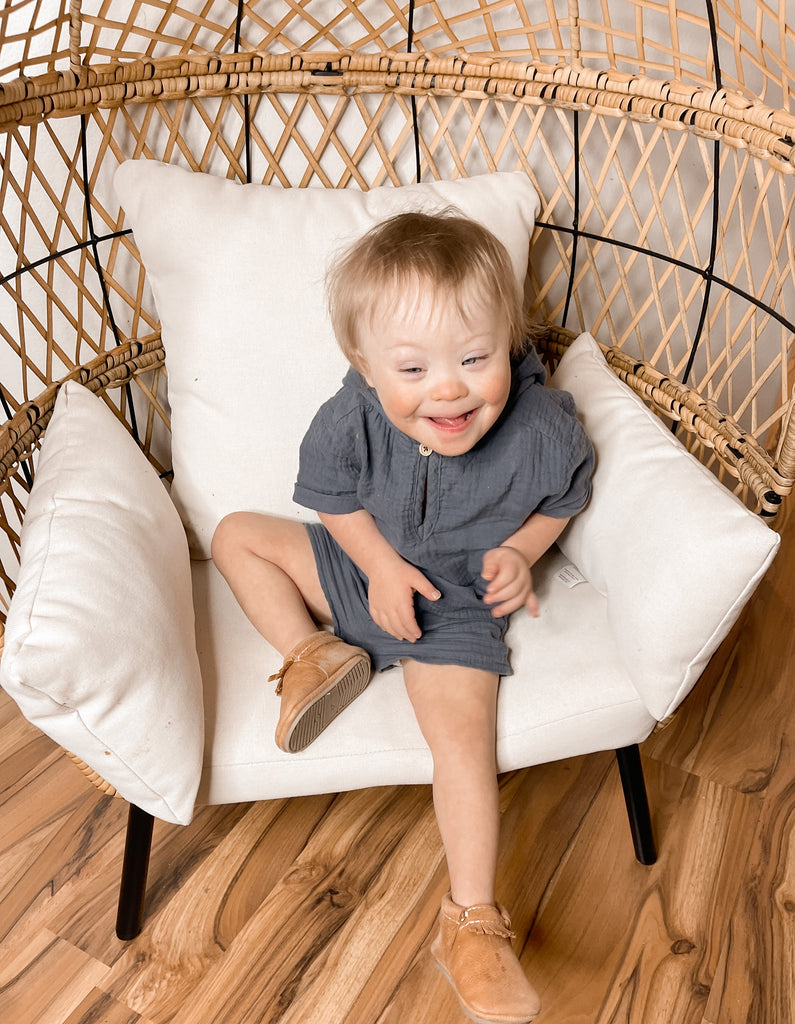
441	513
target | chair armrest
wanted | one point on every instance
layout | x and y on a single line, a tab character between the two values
676	554
100	647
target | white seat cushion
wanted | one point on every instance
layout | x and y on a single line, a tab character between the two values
569	695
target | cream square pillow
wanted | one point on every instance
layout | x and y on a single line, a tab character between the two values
676	554
238	275
100	651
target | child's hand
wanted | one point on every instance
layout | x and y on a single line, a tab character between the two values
510	584
391	595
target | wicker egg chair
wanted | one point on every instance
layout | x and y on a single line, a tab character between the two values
660	141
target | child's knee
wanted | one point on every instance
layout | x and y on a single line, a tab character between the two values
226	538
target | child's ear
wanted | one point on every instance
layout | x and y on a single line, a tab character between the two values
360	364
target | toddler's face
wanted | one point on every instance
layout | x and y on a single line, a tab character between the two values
441	378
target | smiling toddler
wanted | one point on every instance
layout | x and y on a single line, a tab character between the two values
441	471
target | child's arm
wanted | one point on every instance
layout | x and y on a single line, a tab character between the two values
392	580
507	568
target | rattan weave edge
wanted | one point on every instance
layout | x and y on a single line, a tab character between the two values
21	434
738	452
92	776
713	113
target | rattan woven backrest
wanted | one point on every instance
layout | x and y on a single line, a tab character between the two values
660	138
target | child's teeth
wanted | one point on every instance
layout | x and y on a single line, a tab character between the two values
451	419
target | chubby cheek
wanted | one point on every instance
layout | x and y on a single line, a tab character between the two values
496	388
398	403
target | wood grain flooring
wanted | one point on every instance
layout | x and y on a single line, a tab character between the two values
321	910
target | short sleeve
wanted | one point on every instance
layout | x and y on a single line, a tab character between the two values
573	483
329	464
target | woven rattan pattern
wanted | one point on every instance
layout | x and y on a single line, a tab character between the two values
660	141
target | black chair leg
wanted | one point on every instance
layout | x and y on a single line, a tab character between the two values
637	803
137	847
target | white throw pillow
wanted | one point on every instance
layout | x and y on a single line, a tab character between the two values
238	275
676	554
100	651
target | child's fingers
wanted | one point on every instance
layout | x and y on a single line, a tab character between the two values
396	617
392	606
490	566
506	583
407	630
507	600
497	562
405	618
515	603
500	582
403	621
400	624
424	586
420	585
507	607
503	592
501	567
515	594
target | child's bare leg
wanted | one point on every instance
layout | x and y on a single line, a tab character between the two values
456	709
270	568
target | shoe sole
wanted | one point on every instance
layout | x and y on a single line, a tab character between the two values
469	1013
321	712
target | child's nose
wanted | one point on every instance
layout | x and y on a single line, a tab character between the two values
448	388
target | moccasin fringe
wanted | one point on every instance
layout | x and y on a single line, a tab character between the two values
480	927
280	675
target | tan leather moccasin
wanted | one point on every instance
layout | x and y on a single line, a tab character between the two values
473	950
319	677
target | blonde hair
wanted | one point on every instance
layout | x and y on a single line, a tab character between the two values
453	254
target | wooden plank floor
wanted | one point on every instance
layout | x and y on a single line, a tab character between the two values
321	910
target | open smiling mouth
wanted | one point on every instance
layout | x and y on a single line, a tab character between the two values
452	422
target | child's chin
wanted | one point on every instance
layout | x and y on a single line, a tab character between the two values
454	445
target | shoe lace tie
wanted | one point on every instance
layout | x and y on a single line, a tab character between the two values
289	662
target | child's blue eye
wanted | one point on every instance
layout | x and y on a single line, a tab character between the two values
471	360
411	369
